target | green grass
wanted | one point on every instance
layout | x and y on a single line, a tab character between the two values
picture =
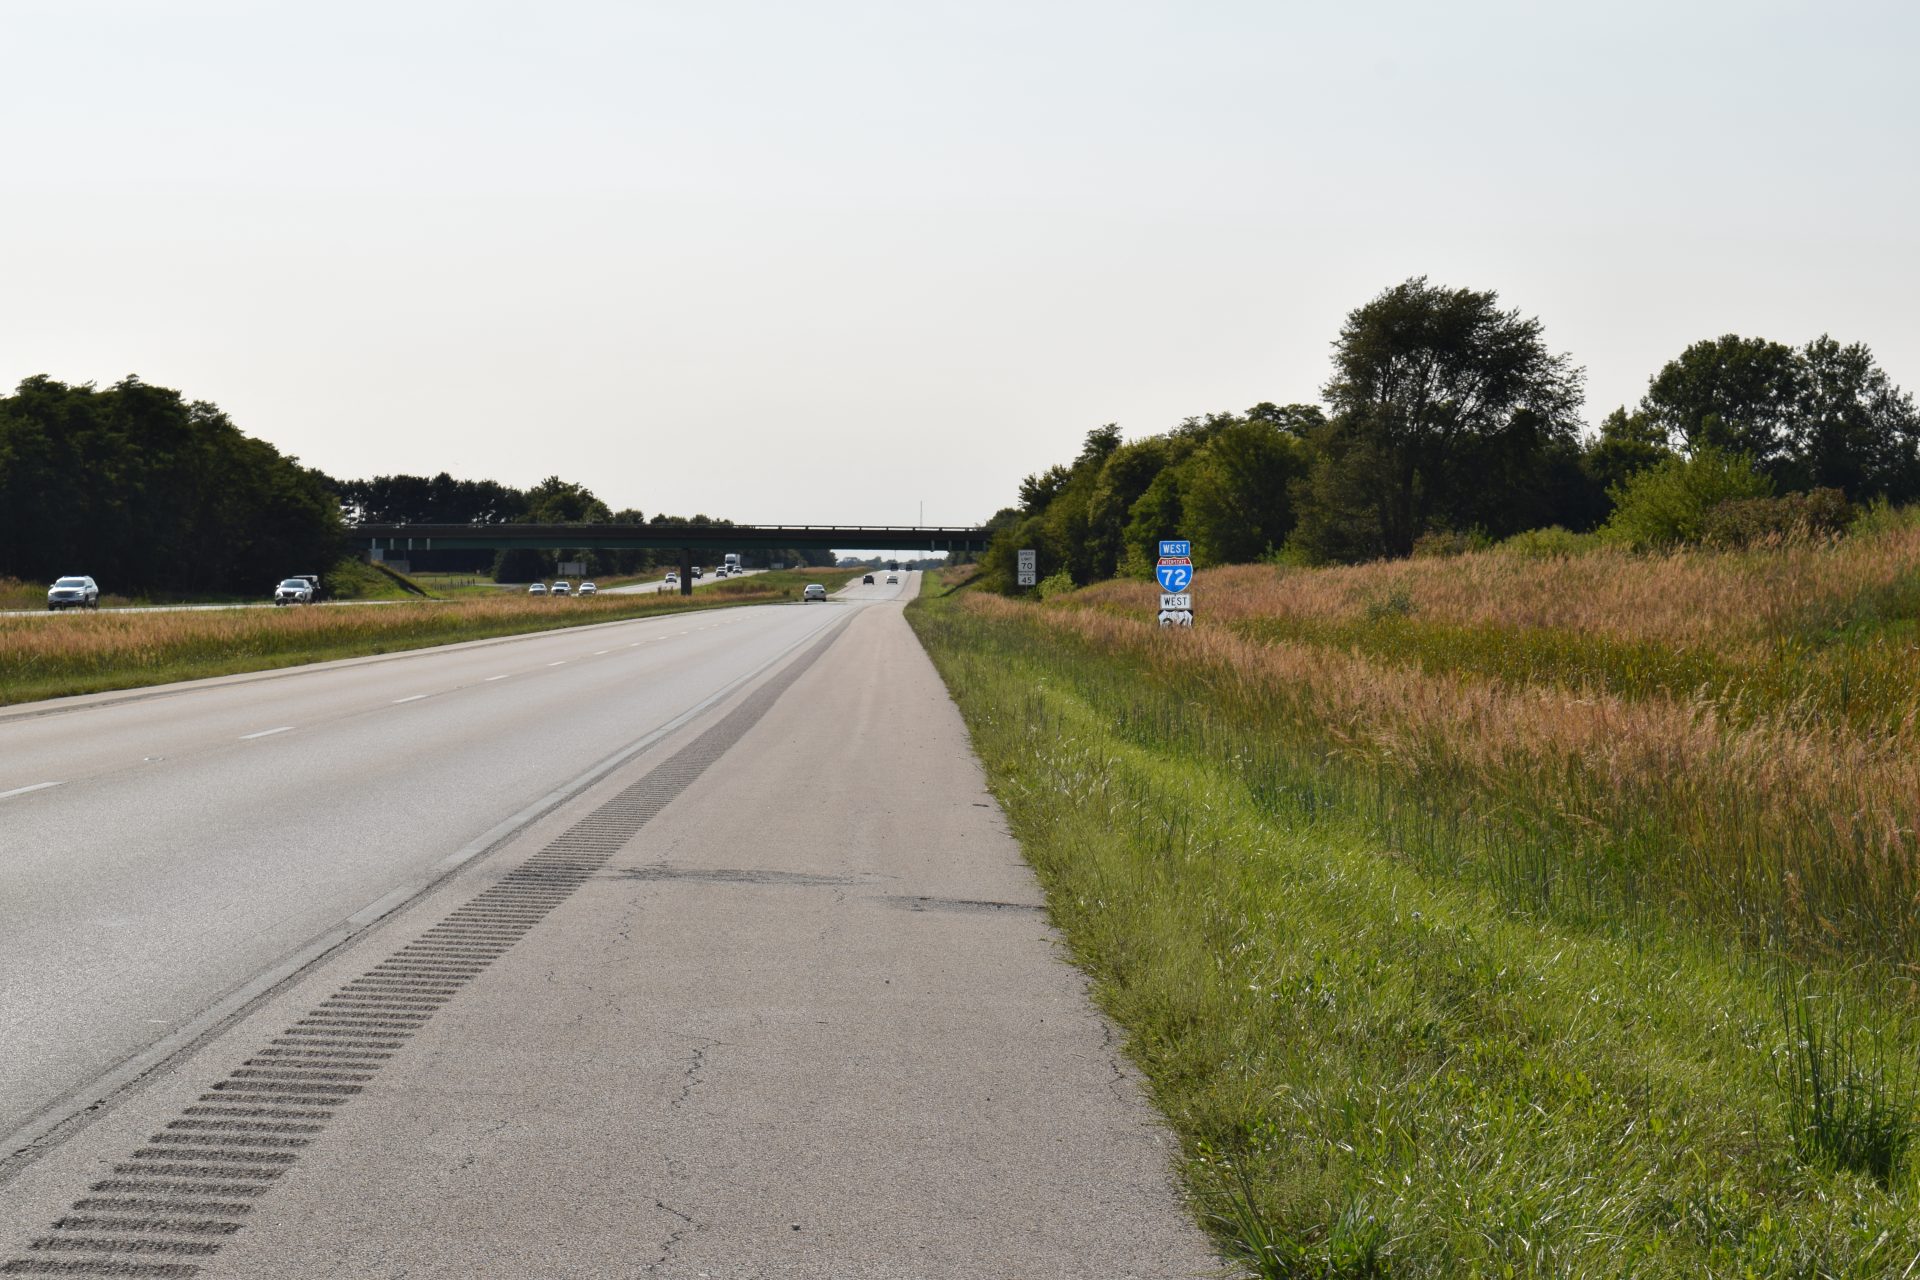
1381	1064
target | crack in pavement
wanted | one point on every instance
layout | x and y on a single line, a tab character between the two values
692	1076
675	1236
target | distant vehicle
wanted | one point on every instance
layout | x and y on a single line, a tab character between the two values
537	589
73	593
587	589
814	591
696	573
561	588
867	581
732	564
293	591
893	577
673	579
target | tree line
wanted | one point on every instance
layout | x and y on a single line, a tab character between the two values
145	490
142	489
1449	421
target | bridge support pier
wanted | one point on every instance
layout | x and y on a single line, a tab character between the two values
686	571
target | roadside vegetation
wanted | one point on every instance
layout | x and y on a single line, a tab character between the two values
1545	910
87	652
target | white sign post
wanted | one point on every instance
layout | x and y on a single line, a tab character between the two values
1028	566
1174	570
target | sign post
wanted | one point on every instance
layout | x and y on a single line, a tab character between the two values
1028	566
1174	570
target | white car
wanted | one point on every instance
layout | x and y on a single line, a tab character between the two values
893	577
673	579
74	593
587	589
814	591
293	591
537	589
561	588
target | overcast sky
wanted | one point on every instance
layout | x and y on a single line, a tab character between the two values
826	261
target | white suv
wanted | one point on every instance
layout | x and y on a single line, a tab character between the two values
73	593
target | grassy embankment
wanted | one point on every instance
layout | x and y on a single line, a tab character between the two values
1494	916
87	652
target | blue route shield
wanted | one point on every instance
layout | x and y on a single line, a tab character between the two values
1174	577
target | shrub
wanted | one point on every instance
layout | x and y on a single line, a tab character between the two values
1742	522
1438	543
1055	584
1666	505
1397	603
1881	516
1552	542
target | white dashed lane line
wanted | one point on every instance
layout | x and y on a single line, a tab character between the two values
410	698
502	676
265	733
20	791
561	663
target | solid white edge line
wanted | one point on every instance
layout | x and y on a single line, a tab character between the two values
265	733
20	791
415	697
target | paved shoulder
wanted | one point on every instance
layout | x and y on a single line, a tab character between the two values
779	1001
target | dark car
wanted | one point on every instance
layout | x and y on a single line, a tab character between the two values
867	581
73	593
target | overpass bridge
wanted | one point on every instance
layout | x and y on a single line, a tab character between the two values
384	539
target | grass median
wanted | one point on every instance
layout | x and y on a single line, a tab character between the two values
1404	1022
85	652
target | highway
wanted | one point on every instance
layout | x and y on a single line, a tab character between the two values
808	1021
163	849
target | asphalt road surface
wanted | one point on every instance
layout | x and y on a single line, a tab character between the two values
688	946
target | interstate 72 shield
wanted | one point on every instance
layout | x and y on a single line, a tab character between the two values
1174	578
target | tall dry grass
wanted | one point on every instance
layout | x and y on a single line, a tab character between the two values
82	652
1787	830
1686	598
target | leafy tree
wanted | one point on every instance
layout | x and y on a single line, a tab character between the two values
1822	416
557	501
441	499
1161	512
1852	429
1126	475
1731	393
1628	443
1444	408
144	490
1236	491
1302	420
